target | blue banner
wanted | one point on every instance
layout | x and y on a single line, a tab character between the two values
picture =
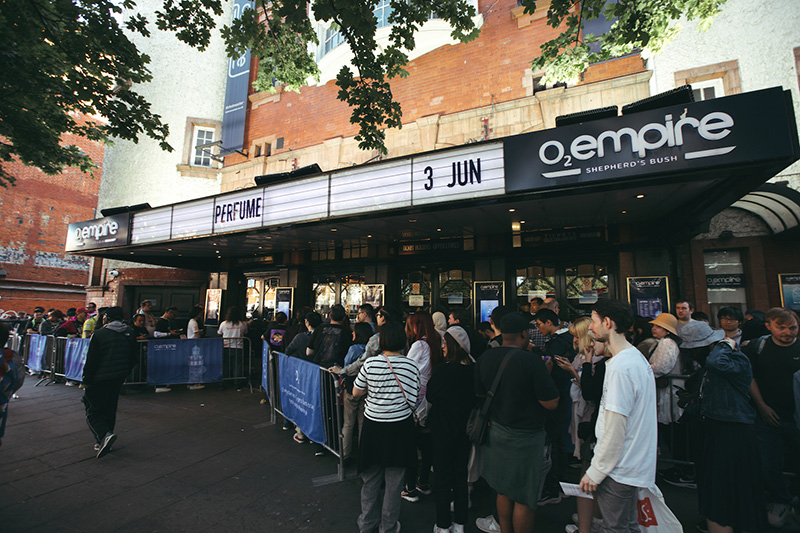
184	361
301	400
36	347
265	367
75	358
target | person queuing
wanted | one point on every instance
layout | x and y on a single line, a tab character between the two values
165	326
353	407
38	318
195	331
110	357
731	319
426	351
146	309
514	445
387	447
625	455
54	320
329	342
232	329
775	360
74	326
451	395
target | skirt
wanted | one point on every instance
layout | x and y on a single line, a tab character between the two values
729	479
387	444
512	462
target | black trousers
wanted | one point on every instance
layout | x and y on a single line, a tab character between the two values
100	400
450	460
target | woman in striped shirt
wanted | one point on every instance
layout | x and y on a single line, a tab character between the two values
387	447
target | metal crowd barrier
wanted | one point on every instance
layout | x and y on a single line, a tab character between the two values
332	410
677	437
15	341
47	359
236	362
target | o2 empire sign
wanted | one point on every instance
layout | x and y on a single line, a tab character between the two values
725	131
103	232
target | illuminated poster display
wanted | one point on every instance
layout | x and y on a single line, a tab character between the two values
649	296
488	295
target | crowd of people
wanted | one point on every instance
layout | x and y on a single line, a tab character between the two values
609	393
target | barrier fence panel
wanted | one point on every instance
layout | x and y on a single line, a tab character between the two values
38	355
75	358
57	365
307	395
675	439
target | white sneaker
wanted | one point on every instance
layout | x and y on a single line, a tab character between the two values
437	529
488	524
196	387
571	528
778	513
163	389
457	528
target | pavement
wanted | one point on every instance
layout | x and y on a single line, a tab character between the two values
206	460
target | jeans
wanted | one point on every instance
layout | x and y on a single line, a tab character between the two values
773	442
380	499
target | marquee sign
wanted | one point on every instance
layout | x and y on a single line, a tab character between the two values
103	232
738	129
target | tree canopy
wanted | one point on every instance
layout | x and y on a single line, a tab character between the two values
68	57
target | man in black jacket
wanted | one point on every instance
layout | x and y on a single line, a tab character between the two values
111	356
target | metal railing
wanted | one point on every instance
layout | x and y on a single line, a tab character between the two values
331	408
45	369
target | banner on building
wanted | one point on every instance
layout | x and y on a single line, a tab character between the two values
235	112
75	358
184	361
36	349
301	399
649	296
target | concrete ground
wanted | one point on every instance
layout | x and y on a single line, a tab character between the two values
205	460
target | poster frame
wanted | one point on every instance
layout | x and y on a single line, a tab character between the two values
478	299
666	292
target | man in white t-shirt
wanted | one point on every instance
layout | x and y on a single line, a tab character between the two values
625	455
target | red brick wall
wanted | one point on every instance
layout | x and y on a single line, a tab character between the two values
447	80
34	216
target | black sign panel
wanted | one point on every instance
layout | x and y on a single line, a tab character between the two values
99	233
743	128
649	296
488	295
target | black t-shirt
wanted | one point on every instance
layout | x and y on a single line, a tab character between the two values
525	382
773	370
451	393
164	326
561	345
330	343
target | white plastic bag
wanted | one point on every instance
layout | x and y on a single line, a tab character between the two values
654	515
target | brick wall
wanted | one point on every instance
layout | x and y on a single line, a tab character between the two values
491	70
34	216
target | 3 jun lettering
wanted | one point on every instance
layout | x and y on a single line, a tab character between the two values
462	174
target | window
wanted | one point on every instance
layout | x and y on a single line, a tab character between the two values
202	156
708	89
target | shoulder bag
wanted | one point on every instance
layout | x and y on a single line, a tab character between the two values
478	419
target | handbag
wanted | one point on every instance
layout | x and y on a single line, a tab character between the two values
478	419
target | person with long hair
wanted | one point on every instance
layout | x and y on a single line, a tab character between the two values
386	448
426	351
195	331
451	394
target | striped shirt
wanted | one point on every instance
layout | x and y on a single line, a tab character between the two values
385	400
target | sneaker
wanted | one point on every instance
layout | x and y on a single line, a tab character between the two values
319	451
410	495
196	387
163	389
572	528
69	383
286	424
702	525
457	528
424	489
105	447
778	513
437	529
299	438
677	478
549	498
488	524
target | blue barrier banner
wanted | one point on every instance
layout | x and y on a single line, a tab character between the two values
301	399
75	358
265	366
37	344
184	361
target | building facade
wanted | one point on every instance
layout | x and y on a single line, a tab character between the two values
35	214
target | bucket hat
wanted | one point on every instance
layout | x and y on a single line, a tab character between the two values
698	333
